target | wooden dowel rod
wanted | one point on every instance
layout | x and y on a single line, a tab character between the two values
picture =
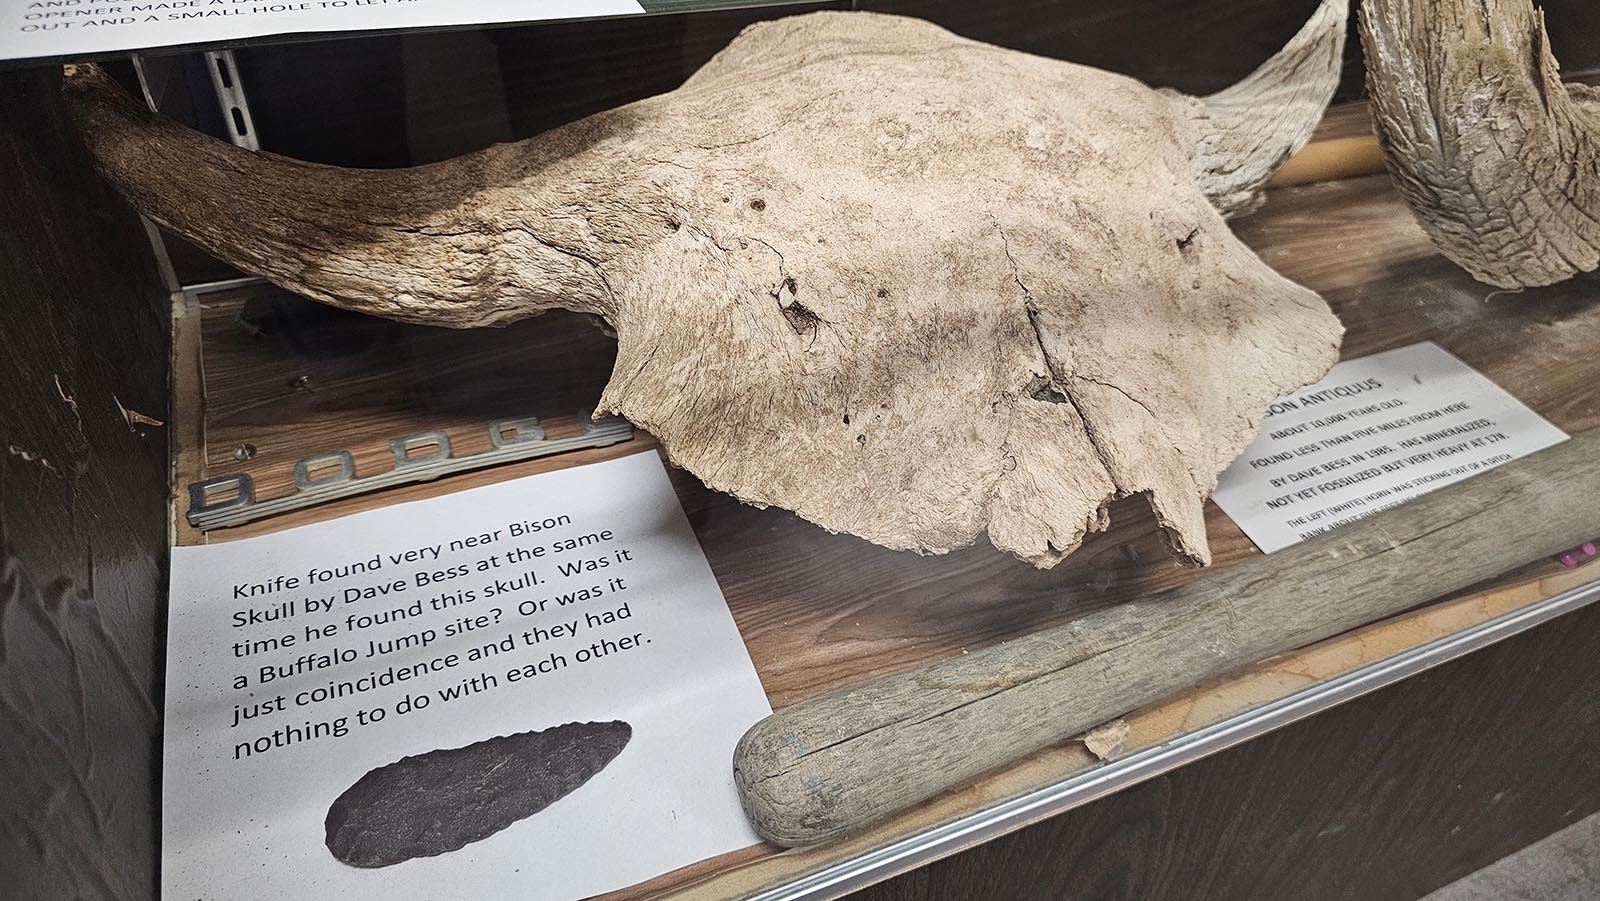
833	764
1331	160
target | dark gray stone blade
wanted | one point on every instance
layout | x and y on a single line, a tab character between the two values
443	800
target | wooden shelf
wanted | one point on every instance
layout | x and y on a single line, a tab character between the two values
817	610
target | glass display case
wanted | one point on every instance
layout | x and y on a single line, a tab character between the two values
1125	695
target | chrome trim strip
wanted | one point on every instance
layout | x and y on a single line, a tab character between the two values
224	284
1088	785
312	489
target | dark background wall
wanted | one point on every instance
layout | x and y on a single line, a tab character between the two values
83	336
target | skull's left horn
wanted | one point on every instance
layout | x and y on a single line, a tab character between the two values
1498	158
427	244
1245	133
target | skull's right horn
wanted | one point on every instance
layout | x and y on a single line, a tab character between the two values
1494	153
429	244
1245	133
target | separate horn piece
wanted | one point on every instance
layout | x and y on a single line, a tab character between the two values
1496	156
910	286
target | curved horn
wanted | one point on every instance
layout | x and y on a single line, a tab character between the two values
427	244
1496	156
1247	132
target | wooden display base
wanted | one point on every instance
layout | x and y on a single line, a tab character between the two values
819	611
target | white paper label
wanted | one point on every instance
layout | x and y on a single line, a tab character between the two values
578	596
46	28
1376	432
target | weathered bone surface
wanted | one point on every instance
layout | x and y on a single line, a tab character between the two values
1250	130
1497	157
908	285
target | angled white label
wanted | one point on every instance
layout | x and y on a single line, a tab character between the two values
1376	432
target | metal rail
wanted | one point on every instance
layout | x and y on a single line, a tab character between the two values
419	457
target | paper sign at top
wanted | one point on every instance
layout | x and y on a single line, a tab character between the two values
1378	431
56	28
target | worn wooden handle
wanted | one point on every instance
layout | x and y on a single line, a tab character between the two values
832	764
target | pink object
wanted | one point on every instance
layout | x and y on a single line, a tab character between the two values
1578	554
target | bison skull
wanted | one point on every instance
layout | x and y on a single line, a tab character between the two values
907	285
